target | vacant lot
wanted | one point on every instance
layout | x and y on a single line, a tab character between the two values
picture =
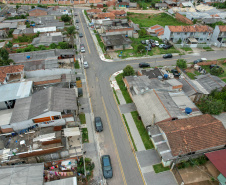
147	20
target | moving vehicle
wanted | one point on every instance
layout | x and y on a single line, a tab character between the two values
83	50
85	64
168	55
80	35
76	14
106	166
77	21
143	64
98	124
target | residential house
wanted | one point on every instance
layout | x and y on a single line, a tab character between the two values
46	40
151	73
38	12
116	42
25	174
7	26
19	32
158	100
23	10
111	3
219	36
3	34
170	3
161	6
123	5
217	158
119	14
11	73
155	30
10	93
2	44
189	137
186	4
188	34
104	16
93	11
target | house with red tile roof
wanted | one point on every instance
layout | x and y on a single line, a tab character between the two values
193	34
12	73
219	36
155	30
178	139
104	16
119	14
111	3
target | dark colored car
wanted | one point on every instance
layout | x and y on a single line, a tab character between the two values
106	166
143	64
197	61
166	46
168	55
98	124
175	73
80	35
76	14
143	42
77	21
213	65
151	41
153	44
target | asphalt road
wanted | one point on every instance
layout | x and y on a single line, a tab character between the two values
114	140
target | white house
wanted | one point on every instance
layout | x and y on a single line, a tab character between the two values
219	36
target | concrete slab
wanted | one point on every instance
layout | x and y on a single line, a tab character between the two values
222	118
148	157
164	178
89	123
120	97
127	108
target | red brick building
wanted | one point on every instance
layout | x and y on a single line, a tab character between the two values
38	12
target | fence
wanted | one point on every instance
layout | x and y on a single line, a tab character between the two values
191	45
177	176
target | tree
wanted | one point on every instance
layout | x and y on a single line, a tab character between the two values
9	45
53	46
32	7
128	71
66	18
142	32
63	45
91	5
70	31
209	105
17	6
4	54
140	48
216	71
181	63
194	21
104	10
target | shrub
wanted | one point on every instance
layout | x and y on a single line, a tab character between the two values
216	71
181	63
128	71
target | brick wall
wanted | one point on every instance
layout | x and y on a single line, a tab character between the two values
183	19
37	13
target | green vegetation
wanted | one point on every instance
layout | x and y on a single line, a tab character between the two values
191	75
85	137
217	71
220	5
143	132
144	4
85	12
181	63
66	18
4	57
187	49
25	38
131	137
42	6
220	95
208	48
82	118
216	23
192	162
210	105
160	168
77	65
147	20
17	17
89	165
128	71
116	96
101	44
119	79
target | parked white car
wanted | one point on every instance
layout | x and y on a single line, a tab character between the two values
85	64
161	45
157	43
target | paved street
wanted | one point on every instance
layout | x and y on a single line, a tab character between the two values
114	140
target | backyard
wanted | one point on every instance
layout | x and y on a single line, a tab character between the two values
147	20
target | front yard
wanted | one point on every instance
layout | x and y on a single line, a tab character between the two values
155	50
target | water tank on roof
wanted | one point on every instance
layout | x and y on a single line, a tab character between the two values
126	35
28	57
160	77
166	76
188	110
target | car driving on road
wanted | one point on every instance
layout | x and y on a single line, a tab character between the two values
98	124
80	35
143	64
106	166
85	64
168	55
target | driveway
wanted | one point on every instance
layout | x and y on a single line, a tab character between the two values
164	178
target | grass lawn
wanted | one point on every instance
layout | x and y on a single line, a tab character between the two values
224	80
160	168
135	148
76	65
85	137
143	132
207	68
100	41
123	88
155	50
208	48
187	49
191	75
147	20
82	118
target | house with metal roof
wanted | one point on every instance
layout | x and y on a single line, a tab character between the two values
189	137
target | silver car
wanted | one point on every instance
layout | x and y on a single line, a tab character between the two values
85	64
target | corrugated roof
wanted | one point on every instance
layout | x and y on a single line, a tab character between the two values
22	174
67	181
218	158
189	87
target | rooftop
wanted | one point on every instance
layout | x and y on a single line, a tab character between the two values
151	73
115	40
15	91
195	28
193	134
222	28
38	8
189	87
218	160
49	99
12	69
22	174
